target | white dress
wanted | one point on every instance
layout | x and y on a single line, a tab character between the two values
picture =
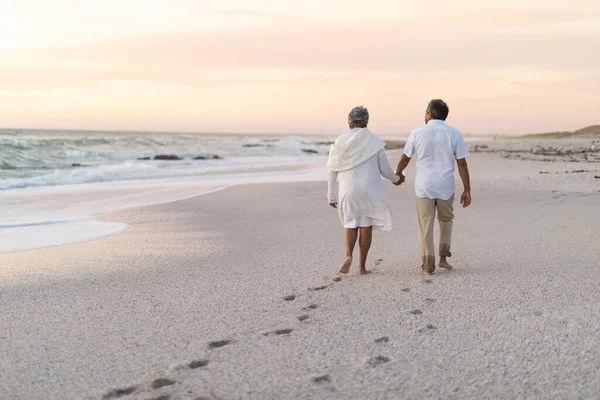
360	198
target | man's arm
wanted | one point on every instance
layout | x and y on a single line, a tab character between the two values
463	170
402	164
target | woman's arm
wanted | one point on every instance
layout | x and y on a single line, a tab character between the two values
332	188
384	167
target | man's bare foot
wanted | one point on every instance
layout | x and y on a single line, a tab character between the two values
346	265
364	271
445	265
427	273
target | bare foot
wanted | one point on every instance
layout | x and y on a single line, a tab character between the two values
445	265
427	273
364	271
346	265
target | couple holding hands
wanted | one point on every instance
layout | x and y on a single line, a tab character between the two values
358	160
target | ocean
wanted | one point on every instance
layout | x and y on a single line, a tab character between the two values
35	158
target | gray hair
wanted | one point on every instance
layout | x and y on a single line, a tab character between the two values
438	109
359	116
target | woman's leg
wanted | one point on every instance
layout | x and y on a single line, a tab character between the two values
351	235
364	243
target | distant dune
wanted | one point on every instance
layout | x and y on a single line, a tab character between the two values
592	131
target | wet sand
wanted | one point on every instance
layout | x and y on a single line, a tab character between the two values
235	295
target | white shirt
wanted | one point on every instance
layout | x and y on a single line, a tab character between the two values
435	147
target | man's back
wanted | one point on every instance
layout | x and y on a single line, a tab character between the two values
435	147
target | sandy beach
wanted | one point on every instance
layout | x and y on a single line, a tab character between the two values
235	295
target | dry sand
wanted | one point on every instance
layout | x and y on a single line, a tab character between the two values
140	315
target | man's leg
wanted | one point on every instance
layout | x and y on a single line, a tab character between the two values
445	209
364	243
426	216
351	235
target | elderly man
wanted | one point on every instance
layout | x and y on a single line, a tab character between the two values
436	145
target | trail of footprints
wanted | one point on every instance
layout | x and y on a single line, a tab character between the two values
162	383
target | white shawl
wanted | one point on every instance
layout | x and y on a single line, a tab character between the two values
353	148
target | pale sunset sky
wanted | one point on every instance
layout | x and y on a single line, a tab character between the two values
278	66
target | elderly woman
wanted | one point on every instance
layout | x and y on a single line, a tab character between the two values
357	161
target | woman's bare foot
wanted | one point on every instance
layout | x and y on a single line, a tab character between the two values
427	273
364	271
346	265
445	265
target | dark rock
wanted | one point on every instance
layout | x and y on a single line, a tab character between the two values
208	157
144	158
167	157
310	151
257	145
76	165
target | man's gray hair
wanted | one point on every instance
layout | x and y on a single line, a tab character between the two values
359	116
438	109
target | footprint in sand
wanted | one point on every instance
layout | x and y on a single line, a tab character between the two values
116	393
198	364
428	328
289	298
429	300
163	397
428	281
219	343
384	339
537	313
162	382
375	361
322	379
303	317
378	261
311	307
337	279
319	288
406	290
279	332
416	311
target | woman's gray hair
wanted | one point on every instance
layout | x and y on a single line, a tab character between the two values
359	116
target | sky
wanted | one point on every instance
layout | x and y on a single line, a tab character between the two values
281	66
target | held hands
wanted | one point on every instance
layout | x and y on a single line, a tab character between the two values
401	181
465	199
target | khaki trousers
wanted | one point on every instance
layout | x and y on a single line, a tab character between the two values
426	209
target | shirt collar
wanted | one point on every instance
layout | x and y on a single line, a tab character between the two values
436	122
